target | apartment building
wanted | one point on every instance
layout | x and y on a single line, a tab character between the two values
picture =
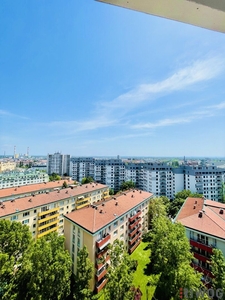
123	217
32	189
204	221
7	166
20	178
58	163
156	177
44	213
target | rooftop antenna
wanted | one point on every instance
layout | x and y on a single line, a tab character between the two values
27	151
14	151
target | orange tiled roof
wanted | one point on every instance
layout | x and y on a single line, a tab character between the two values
211	222
93	220
23	204
31	188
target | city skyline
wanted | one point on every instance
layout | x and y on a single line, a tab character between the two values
97	80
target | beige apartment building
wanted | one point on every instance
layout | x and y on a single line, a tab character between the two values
44	213
7	166
31	189
123	217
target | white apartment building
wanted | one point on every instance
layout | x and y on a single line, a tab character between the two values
155	177
26	177
58	163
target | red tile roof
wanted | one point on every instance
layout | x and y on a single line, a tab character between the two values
211	221
92	220
23	204
31	188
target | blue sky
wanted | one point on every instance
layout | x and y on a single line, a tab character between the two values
87	78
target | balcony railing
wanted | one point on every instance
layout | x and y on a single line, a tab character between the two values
201	257
134	230
100	285
131	226
134	238
103	242
201	269
99	265
201	245
131	219
100	275
134	246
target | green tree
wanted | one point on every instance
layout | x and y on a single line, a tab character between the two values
87	180
156	208
54	177
119	273
111	191
218	270
171	259
44	271
126	185
222	193
65	185
14	241
81	289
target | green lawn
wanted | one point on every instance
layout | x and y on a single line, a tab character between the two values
141	278
142	254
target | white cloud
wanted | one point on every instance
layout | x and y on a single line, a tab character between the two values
9	114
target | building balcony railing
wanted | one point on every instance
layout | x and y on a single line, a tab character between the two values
48	218
132	233
201	245
131	226
134	246
100	253
131	241
100	275
100	285
103	242
201	257
46	212
54	222
201	269
82	205
103	260
131	219
48	231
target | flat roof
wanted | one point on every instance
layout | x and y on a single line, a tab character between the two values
30	202
209	14
93	219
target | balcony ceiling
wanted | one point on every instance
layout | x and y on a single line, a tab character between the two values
208	14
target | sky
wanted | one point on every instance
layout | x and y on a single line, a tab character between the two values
91	79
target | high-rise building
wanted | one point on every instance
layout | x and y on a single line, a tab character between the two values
58	163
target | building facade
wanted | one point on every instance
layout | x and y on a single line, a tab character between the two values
124	217
20	178
58	163
44	212
204	221
7	166
156	177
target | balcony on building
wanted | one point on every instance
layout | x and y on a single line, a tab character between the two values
101	261
134	223
103	242
100	284
134	246
101	272
134	238
131	219
204	270
132	233
198	243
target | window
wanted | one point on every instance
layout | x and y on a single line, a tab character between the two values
34	225
115	232
13	218
27	213
122	219
35	211
122	227
25	221
115	224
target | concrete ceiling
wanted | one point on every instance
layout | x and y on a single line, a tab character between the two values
208	14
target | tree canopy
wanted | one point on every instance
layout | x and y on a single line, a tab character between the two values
54	177
126	185
87	180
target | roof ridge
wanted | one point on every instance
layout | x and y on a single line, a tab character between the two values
213	220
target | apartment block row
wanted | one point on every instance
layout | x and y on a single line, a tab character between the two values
7	166
20	178
44	212
156	177
204	221
124	217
